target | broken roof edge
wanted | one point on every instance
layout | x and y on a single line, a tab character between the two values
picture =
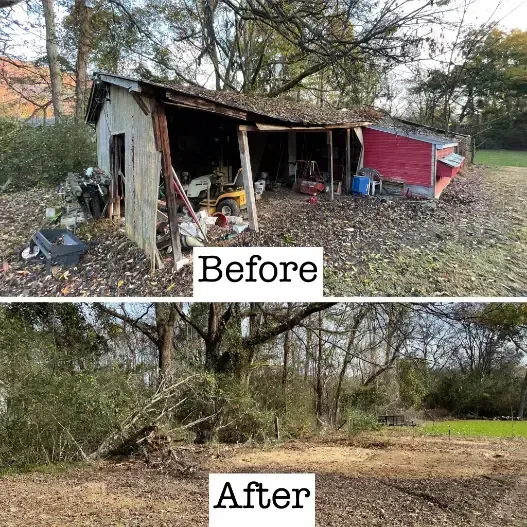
439	142
244	107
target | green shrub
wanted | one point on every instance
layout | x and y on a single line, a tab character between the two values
43	155
359	421
58	417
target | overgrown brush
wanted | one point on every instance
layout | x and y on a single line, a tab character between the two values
50	418
42	155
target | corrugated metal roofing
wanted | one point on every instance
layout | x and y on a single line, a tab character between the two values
279	108
453	160
440	142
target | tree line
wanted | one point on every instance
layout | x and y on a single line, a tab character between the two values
76	379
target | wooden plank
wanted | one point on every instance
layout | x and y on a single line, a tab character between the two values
330	141
278	128
197	103
158	260
139	100
248	185
348	160
161	128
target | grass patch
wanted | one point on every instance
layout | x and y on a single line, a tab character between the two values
476	428
502	158
47	468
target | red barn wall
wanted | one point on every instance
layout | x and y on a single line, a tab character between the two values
444	173
398	157
445	152
441	184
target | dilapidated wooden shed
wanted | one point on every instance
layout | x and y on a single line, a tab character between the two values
144	129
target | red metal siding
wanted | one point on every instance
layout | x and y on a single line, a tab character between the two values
445	171
445	152
441	184
398	157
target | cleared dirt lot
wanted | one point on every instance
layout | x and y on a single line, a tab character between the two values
471	242
373	481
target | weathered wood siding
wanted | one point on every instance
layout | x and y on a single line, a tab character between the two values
122	115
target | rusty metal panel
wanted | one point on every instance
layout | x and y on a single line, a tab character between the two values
122	115
453	160
103	134
397	157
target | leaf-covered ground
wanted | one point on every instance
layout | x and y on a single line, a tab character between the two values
417	482
470	242
112	266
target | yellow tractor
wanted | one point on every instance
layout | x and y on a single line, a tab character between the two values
212	193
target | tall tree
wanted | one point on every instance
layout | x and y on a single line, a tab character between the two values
53	57
160	332
82	23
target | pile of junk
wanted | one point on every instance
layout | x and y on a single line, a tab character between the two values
82	197
207	205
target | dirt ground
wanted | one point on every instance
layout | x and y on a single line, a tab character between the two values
400	481
470	242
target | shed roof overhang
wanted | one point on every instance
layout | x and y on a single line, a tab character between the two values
261	112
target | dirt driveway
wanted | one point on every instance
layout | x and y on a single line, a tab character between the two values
471	242
404	481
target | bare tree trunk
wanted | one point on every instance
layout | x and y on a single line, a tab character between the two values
287	349
82	15
523	397
319	387
347	358
209	8
53	56
165	321
308	353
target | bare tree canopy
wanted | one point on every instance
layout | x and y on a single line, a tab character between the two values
9	3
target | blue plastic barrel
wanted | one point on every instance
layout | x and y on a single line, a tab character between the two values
360	185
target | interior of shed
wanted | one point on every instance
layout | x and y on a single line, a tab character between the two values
203	142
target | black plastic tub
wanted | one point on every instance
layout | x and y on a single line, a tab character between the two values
59	246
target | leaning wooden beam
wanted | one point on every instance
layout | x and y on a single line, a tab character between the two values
348	161
330	141
163	146
248	185
197	103
139	100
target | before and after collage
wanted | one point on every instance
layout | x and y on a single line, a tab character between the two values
263	263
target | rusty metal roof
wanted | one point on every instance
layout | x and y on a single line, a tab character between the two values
440	142
283	109
453	160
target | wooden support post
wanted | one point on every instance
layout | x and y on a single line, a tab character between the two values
330	141
248	185
348	160
163	145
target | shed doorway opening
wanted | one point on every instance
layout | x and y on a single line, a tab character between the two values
118	173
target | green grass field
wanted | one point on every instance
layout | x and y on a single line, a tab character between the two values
477	428
502	158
